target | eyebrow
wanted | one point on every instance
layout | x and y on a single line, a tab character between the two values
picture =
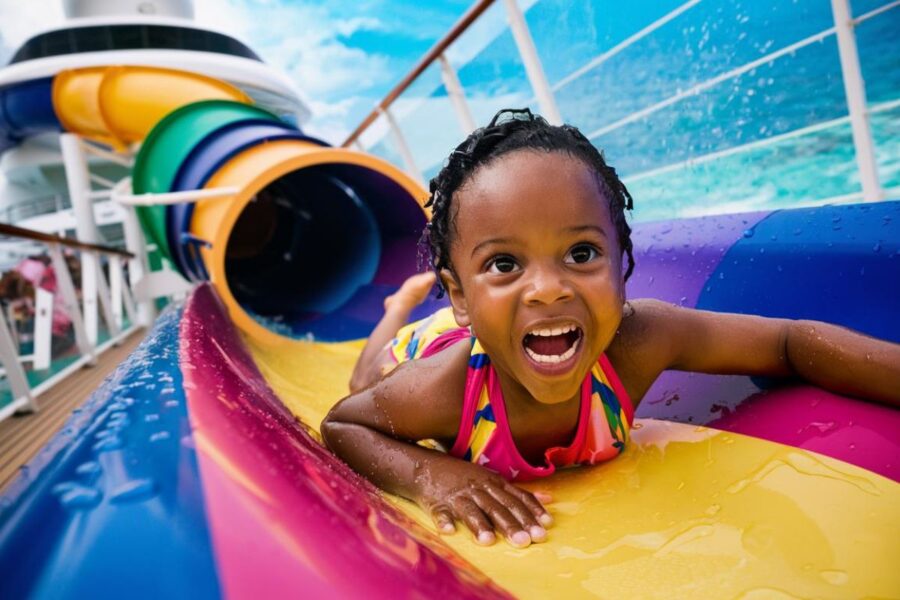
489	242
580	228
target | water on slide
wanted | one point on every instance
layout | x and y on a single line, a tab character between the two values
686	511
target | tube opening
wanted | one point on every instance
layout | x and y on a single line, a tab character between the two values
314	253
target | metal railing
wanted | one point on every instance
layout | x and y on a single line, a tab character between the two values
390	122
49	309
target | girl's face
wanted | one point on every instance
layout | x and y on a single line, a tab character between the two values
538	271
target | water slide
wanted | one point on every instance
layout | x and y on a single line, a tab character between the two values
197	469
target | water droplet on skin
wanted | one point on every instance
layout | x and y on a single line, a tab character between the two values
134	491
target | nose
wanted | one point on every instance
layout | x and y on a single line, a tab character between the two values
546	286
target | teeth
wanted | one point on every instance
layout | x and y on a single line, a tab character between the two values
547	332
553	358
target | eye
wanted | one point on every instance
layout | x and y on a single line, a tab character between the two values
582	253
502	264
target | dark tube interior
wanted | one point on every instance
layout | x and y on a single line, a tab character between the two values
317	250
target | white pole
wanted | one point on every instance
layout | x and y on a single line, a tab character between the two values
115	288
43	329
533	67
104	295
854	88
78	178
138	266
457	96
70	302
402	147
9	358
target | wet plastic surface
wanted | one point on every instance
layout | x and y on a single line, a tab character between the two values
113	506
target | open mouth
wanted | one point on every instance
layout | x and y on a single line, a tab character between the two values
552	345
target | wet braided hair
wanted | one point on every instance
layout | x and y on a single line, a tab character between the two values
510	130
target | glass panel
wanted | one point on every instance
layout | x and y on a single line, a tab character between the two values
771	100
377	140
879	55
490	70
428	121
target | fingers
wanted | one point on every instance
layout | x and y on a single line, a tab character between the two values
443	518
534	503
525	520
474	518
502	517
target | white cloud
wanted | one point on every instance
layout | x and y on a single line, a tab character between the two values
305	42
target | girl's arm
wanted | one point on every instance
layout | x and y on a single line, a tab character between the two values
659	336
375	432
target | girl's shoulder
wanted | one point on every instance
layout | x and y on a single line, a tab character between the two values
641	349
429	389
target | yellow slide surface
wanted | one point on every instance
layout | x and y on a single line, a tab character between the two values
685	512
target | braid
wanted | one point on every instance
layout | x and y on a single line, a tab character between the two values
510	130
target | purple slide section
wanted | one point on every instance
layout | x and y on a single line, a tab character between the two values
673	261
284	513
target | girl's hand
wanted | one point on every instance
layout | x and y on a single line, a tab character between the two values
451	489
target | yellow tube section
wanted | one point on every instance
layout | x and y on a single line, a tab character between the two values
251	171
118	106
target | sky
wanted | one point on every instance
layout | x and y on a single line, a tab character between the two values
345	55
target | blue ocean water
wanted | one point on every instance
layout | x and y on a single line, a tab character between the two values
774	136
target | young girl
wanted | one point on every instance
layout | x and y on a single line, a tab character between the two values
540	361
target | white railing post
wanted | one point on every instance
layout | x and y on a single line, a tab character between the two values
43	329
116	279
70	302
104	295
137	267
402	147
854	88
457	96
533	67
9	357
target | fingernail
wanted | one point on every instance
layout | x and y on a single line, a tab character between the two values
520	539
486	538
448	528
546	519
538	534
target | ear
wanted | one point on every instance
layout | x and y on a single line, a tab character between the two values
457	300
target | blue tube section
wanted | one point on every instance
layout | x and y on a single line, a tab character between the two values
26	108
113	506
839	264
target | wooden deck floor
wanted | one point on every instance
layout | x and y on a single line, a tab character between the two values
21	436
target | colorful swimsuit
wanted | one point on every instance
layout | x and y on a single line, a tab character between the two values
484	435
